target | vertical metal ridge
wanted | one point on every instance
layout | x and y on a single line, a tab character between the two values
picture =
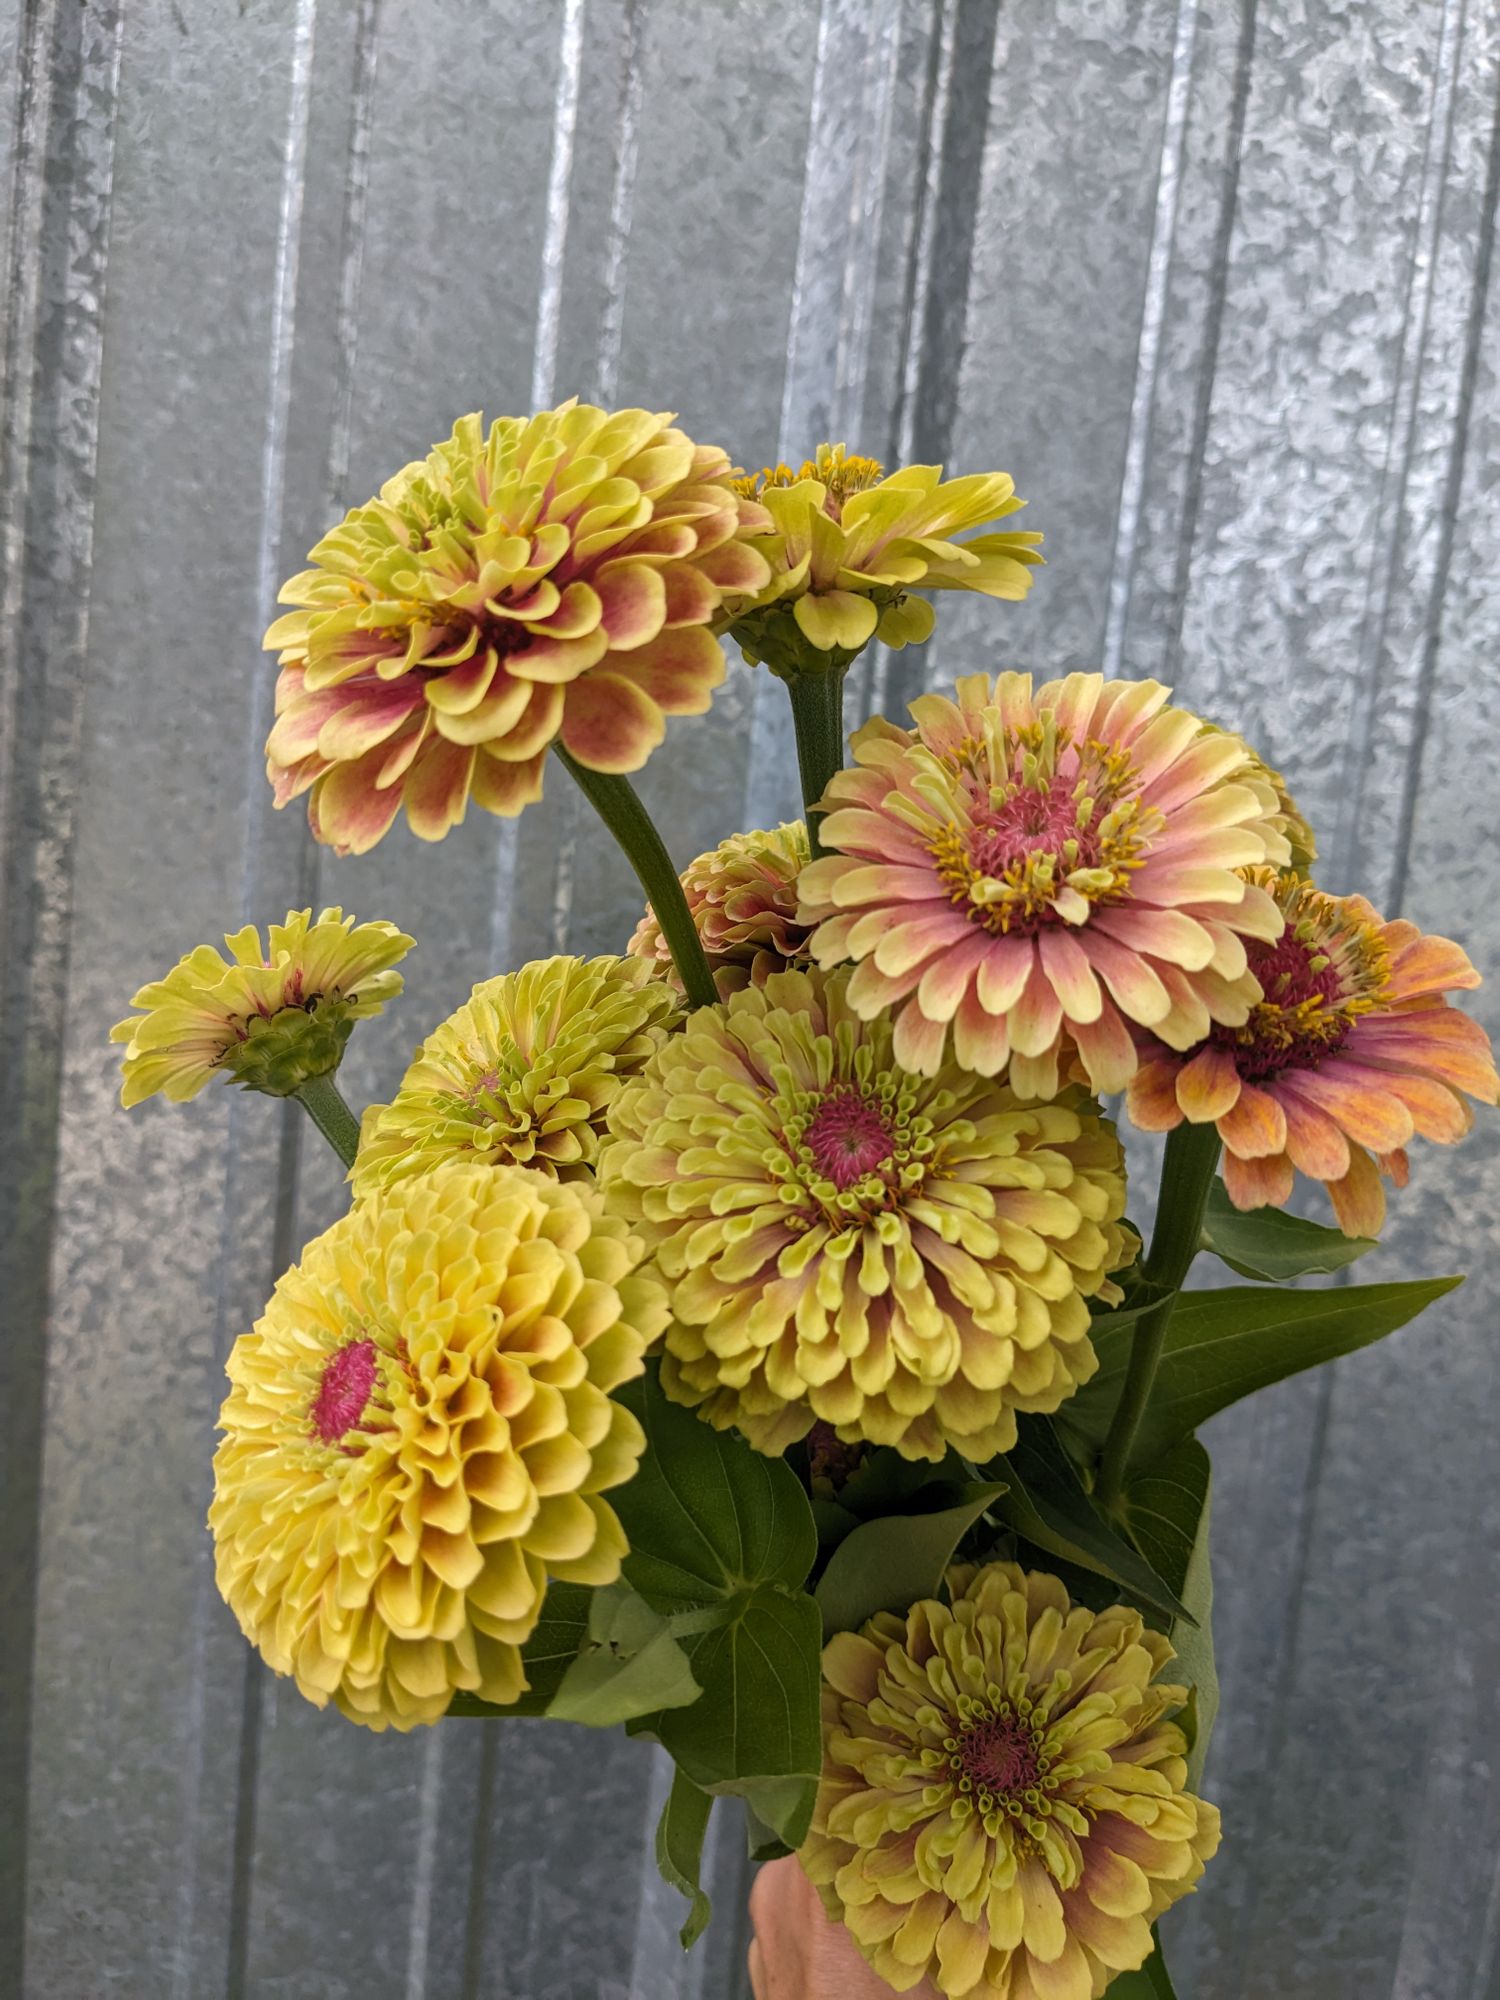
1148	348
64	189
1348	843
621	203
559	186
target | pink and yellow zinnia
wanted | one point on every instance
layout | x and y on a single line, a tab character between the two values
1353	1050
554	577
1031	868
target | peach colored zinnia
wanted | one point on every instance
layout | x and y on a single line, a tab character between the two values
1004	1806
1035	868
554	577
1353	1050
743	899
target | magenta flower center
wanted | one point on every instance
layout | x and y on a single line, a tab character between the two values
348	1382
848	1136
1315	989
999	1756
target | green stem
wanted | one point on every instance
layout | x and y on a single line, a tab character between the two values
1187	1172
321	1100
614	799
818	718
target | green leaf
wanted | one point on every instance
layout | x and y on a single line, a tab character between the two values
1047	1506
1224	1345
1167	1509
679	1851
1270	1244
889	1564
630	1664
762	1842
756	1733
1152	1982
547	1655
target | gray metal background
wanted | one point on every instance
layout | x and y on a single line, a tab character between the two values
1211	278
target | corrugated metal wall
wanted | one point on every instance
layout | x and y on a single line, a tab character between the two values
1212	281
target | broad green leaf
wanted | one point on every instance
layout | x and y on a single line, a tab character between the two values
887	1483
1152	1982
1167	1509
1224	1345
547	1655
679	1852
1046	1505
629	1665
756	1733
762	1842
1270	1244
889	1564
705	1515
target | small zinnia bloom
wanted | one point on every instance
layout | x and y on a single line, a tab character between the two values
270	1016
907	1258
418	1436
848	543
743	899
1353	1050
554	577
522	1074
1004	1807
1033	868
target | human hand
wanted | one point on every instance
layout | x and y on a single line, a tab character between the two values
799	1953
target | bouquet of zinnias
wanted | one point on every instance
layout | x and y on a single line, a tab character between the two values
742	1339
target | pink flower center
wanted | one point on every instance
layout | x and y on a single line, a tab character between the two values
999	1756
348	1380
847	1136
1305	1016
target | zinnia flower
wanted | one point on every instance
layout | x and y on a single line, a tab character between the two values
1003	1807
848	543
743	899
522	1074
1353	1049
270	1017
418	1436
1034	866
906	1258
554	577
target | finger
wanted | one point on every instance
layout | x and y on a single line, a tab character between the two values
758	1986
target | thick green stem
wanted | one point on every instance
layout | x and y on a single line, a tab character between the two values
321	1100
614	799
1187	1172
818	718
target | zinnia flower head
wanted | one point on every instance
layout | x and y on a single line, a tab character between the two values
522	1074
847	543
1353	1049
1003	1805
743	899
906	1258
270	1016
419	1433
556	576
1031	868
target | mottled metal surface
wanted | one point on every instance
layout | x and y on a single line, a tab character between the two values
1213	282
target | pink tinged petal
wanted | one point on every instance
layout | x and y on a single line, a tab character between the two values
1140	992
1107	1050
1439	1041
609	724
367	721
437	791
299	723
1165	934
1224	847
917	1043
1177	882
857	830
691	598
1208	1086
1257	1183
570	615
735	568
1358	1199
1437	1111
1069	1975
1431	965
981	1040
558	660
505	788
502	708
962	1951
401	755
911	941
1036	1017
870	990
1036	1077
634	604
1133	705
464	687
1004	972
1161	742
679	670
536	728
1314	1143
1358	1099
1075	703
346	811
1151	1099
949	977
1070	975
1254	1126
1206	763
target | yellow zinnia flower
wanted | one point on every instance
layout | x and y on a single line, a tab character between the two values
523	1073
743	899
270	1017
848	543
907	1258
1004	1806
554	577
418	1435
